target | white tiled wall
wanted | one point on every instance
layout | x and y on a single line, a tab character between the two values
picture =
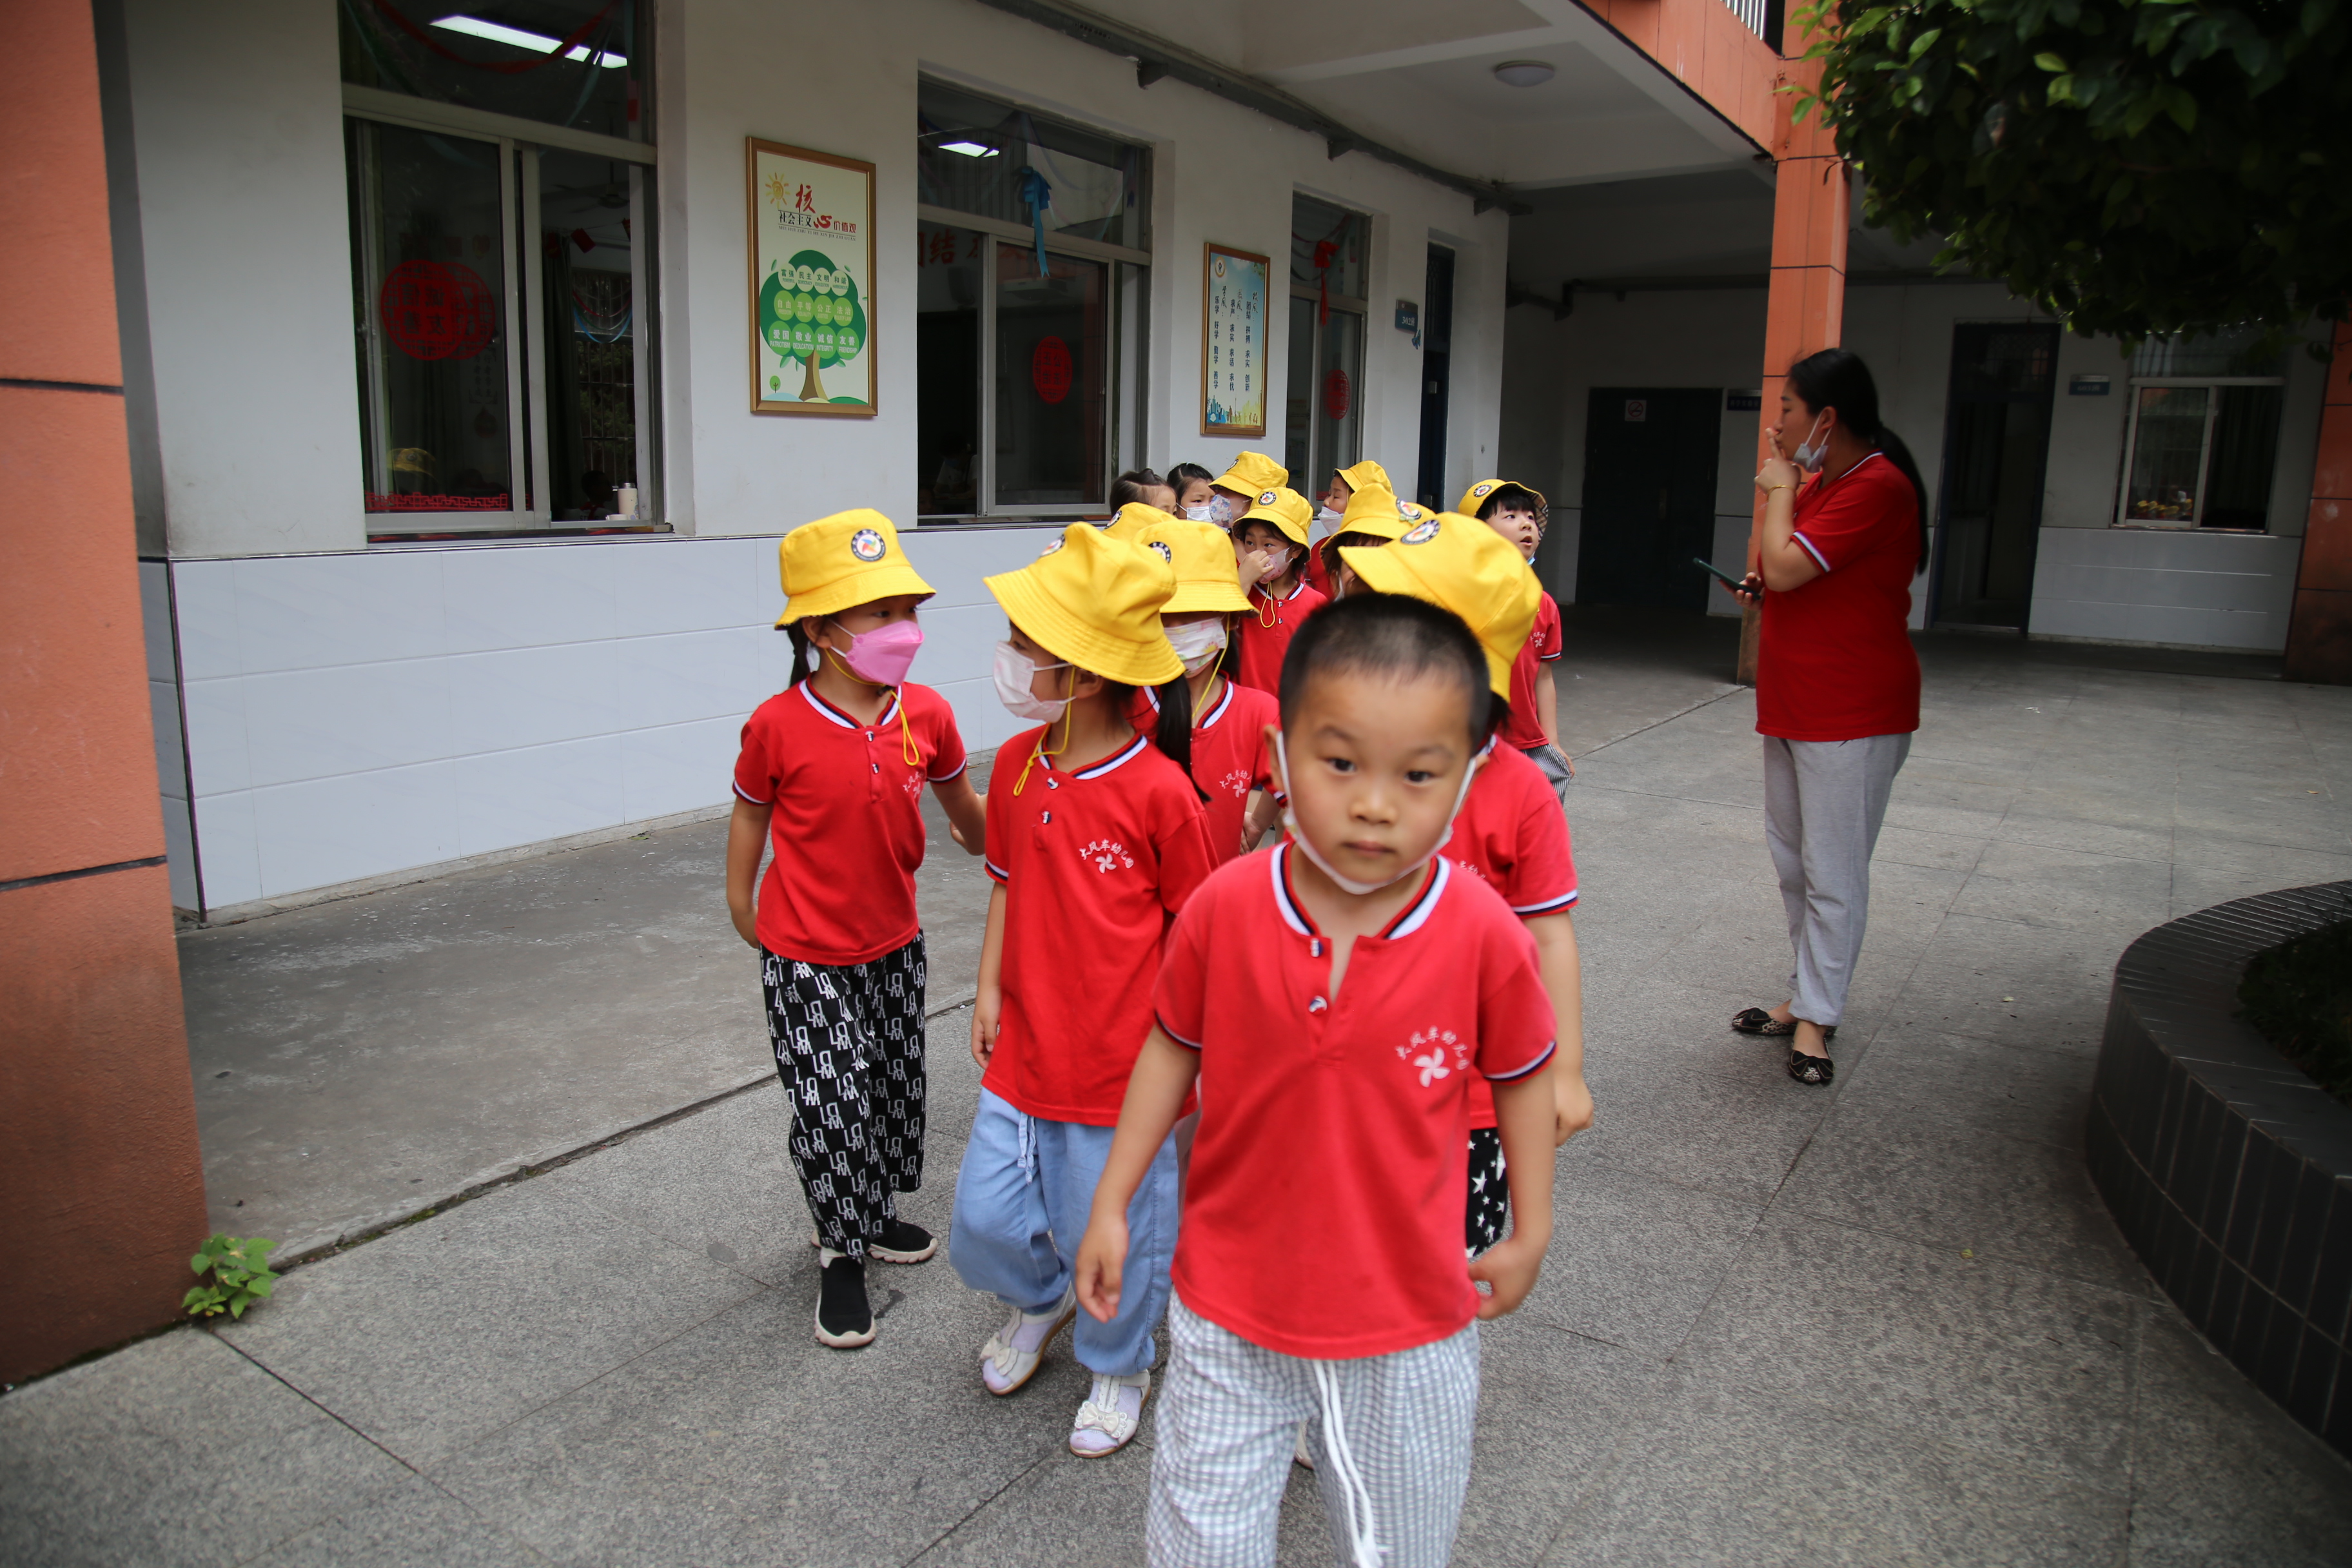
2165	585
352	715
164	704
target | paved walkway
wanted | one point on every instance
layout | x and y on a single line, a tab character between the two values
1887	1322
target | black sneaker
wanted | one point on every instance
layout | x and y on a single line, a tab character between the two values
902	1243
844	1320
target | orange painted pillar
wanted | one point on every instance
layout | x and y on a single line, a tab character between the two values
105	1195
1805	310
2320	631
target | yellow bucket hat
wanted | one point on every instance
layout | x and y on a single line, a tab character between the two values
1374	509
1459	563
1134	519
1366	475
1286	508
848	559
1475	496
1252	474
1207	576
1095	601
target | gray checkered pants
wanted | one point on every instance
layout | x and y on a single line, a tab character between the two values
1228	1413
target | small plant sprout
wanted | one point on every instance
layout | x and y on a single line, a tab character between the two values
241	1276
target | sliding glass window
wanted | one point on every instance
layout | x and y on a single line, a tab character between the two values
1323	427
1031	281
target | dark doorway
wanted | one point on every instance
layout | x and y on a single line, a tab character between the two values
1996	446
1437	374
1649	496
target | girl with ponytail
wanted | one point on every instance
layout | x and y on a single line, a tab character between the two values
1845	531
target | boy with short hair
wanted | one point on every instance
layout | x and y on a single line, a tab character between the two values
1332	998
1520	514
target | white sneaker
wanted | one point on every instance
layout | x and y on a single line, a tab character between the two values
1108	1420
1300	1454
1010	1357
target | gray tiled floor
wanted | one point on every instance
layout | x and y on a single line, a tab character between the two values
1889	1322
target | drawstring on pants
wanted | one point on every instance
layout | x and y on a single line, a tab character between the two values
1024	1155
1362	1531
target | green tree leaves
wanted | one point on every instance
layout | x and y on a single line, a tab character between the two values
241	1276
2132	166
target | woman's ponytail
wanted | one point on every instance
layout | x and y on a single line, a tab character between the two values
1836	378
803	654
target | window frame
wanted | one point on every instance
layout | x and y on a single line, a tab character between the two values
525	306
1129	307
2123	517
1314	296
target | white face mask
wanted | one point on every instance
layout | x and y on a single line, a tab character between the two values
1808	456
1015	671
1197	643
1202	513
1277	562
1350	884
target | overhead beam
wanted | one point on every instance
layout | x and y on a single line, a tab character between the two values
1156	58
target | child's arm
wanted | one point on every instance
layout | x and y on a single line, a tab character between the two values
1163	1075
1258	819
989	1004
1563	978
746	839
966	810
1547	711
1523	1115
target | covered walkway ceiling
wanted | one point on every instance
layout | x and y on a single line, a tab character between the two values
1419	78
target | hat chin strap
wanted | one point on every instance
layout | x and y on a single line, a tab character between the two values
1347	884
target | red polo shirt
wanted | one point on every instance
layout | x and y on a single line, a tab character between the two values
1351	1110
1229	755
1542	647
1094	863
1265	635
848	827
1512	835
1834	661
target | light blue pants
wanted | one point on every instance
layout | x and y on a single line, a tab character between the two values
1021	1206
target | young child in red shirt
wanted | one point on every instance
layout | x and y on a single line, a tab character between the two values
1271	539
1374	516
831	773
1095	840
1230	760
1332	998
1511	833
1335	500
1519	514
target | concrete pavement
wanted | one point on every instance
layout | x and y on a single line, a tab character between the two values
1886	1322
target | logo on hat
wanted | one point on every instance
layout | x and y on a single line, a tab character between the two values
1407	511
1164	552
1051	546
1268	499
1421	533
866	545
1481	487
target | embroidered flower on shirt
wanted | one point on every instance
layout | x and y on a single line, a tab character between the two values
1431	1065
1437	1046
1237	781
1475	870
1109	856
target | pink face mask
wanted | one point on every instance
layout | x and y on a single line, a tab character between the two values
883	656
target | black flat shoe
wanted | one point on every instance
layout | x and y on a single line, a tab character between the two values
1757	1021
1814	1070
844	1320
901	1242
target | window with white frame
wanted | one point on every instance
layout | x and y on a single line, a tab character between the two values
1323	427
2202	443
500	207
1031	283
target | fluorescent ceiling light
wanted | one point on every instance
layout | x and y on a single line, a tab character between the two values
538	43
969	148
1523	73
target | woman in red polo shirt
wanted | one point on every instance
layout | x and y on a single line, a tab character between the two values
1837	683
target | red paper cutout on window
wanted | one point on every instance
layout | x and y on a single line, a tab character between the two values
1049	369
437	309
1337	393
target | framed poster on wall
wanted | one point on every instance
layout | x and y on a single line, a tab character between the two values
1232	342
811	233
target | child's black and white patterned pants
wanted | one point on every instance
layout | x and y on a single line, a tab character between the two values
1490	1193
849	1048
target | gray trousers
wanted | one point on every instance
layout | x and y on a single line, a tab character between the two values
1823	803
1552	762
1393	1473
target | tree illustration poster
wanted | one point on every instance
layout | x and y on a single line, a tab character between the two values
812	296
1232	342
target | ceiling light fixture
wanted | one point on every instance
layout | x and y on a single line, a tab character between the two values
1523	73
536	43
969	148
